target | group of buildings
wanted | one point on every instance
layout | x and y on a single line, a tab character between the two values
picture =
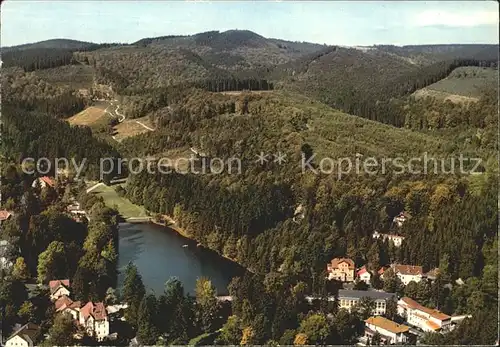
416	316
92	317
344	270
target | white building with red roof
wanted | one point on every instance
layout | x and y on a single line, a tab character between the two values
425	318
364	275
59	288
65	305
94	318
44	181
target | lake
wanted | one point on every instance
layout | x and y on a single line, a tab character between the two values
159	254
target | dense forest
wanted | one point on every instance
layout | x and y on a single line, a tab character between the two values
304	101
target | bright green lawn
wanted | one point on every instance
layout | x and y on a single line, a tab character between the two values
123	205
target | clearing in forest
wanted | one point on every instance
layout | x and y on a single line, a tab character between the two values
89	116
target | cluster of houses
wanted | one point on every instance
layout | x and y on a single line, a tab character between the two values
414	314
94	318
344	270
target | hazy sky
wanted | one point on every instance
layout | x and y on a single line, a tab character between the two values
335	22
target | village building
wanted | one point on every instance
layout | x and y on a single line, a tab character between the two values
396	240
350	298
24	337
4	215
94	318
426	319
400	219
390	332
364	275
44	181
406	273
341	269
65	305
432	274
59	288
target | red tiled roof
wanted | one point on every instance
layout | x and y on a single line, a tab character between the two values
387	324
62	301
382	270
97	310
49	181
363	270
337	261
431	312
408	269
53	285
65	302
4	215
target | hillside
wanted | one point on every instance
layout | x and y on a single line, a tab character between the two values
463	84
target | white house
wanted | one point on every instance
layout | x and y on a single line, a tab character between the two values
24	336
364	275
396	240
400	219
423	317
391	332
348	299
65	305
94	318
408	273
59	288
44	181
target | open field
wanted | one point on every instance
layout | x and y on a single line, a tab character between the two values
90	115
123	205
464	84
132	127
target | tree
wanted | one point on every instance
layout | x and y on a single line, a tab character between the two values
360	285
247	336
317	329
20	270
391	309
301	339
147	332
411	290
133	292
27	312
206	300
52	263
376	339
366	306
231	332
62	331
392	283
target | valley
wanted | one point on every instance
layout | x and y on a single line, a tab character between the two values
420	236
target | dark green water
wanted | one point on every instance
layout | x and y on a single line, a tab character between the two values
159	254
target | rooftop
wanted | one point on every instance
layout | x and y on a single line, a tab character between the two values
430	311
387	324
358	294
337	261
53	285
407	269
29	329
97	310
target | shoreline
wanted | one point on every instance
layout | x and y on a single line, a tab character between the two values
171	224
182	232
